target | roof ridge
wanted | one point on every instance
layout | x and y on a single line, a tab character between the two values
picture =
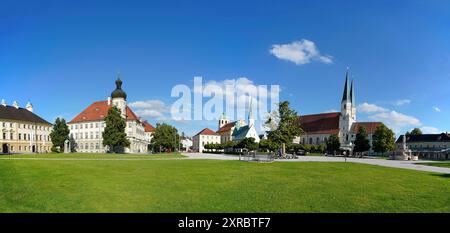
316	114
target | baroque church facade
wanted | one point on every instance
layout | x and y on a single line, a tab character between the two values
237	130
319	127
86	128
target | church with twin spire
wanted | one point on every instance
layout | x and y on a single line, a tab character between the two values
319	127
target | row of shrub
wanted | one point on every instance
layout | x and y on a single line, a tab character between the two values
266	145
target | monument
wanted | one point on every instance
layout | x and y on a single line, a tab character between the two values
402	152
67	146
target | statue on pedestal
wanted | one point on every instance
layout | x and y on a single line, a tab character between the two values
403	152
67	146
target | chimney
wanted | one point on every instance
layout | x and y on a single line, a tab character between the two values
29	107
109	100
3	102
15	104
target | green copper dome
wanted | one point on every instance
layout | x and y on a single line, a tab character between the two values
119	93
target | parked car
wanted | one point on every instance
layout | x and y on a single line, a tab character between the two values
301	152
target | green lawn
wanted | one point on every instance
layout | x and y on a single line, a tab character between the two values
95	156
315	154
216	186
437	164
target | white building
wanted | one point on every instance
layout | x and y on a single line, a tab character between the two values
187	144
23	131
237	130
148	129
87	128
204	137
246	131
319	127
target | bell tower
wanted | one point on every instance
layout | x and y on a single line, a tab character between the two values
119	97
223	120
348	112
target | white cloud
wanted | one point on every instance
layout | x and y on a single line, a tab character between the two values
396	120
299	52
430	130
241	88
370	108
330	110
436	109
155	109
401	102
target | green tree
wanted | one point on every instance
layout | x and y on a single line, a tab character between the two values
288	126
114	135
333	144
321	148
214	147
165	138
415	131
247	143
267	145
362	142
307	147
59	134
383	139
229	145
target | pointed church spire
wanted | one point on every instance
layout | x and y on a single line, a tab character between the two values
251	120
250	111
352	94
346	94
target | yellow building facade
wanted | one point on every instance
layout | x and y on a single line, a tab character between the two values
22	131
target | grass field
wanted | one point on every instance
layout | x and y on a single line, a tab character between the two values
216	186
438	164
96	156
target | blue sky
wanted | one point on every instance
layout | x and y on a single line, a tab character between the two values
63	55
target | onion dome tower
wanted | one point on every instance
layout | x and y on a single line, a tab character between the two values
119	97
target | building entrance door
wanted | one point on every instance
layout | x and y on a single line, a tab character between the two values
5	148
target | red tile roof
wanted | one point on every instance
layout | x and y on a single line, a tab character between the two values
206	131
226	127
324	123
98	111
148	127
369	126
